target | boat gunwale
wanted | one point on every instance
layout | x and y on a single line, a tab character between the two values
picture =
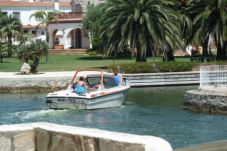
88	98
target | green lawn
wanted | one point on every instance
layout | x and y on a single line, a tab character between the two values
70	63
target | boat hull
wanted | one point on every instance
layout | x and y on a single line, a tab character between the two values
98	102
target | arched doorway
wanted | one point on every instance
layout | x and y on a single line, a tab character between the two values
78	38
57	39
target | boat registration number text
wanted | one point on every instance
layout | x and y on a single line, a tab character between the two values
70	100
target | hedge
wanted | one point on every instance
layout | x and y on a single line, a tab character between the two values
154	67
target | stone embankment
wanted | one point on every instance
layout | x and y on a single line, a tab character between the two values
47	136
207	100
44	82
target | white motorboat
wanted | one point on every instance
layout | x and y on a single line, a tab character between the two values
106	96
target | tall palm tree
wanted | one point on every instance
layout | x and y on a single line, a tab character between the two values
141	24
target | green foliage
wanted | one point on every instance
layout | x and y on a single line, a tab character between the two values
92	25
92	53
4	50
32	49
155	67
141	24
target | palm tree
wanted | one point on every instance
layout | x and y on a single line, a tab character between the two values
45	18
40	48
11	26
141	24
211	21
3	50
32	49
11	29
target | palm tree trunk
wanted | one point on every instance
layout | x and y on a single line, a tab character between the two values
10	51
140	57
221	51
168	55
205	47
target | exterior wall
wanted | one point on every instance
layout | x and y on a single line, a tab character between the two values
47	136
66	38
26	12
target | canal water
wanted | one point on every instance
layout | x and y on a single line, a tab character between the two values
153	111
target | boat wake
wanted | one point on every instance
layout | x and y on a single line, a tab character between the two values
28	116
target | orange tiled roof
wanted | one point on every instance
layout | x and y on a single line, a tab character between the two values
31	4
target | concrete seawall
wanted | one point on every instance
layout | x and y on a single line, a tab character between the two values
44	82
47	136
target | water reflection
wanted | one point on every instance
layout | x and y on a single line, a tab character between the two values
148	111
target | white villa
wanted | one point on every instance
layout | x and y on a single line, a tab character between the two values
65	33
24	9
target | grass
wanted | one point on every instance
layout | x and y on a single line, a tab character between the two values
70	63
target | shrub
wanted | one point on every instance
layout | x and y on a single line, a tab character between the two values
154	67
92	53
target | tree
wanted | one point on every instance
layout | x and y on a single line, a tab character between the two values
3	50
92	23
10	30
141	24
40	48
211	20
32	49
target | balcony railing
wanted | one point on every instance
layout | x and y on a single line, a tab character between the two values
70	15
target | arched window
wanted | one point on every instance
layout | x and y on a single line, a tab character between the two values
77	8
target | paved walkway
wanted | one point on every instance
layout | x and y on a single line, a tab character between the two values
4	75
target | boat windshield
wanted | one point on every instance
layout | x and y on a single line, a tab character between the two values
107	81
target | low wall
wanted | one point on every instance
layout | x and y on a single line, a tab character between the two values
211	146
47	136
41	82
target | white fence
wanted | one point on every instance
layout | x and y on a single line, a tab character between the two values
213	76
162	79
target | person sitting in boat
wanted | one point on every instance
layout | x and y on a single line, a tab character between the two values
99	85
116	78
81	86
